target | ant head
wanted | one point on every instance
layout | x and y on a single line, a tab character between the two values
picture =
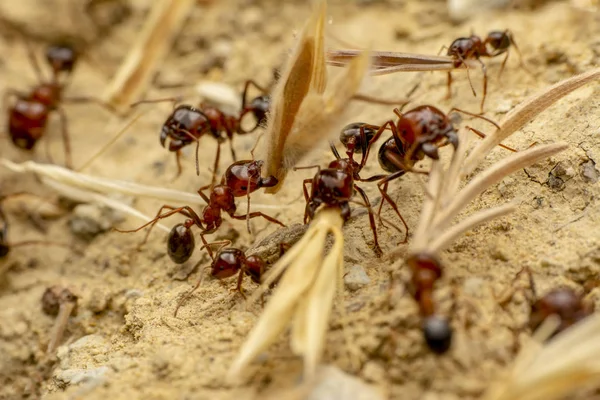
344	164
243	177
255	266
227	263
437	333
62	58
353	140
180	243
461	47
424	261
388	150
562	301
260	106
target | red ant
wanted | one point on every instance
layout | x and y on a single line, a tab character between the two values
473	47
230	261
564	302
418	133
426	270
240	179
334	186
187	124
28	116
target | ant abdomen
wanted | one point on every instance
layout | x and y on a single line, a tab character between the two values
437	333
180	243
499	41
227	263
386	151
351	136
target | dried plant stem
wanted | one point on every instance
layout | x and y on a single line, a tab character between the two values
525	112
565	364
60	325
420	240
303	297
164	21
445	238
492	175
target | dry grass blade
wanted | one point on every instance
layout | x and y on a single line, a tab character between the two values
303	297
492	175
107	186
525	112
567	363
164	22
304	116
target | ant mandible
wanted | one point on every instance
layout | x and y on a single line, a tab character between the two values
334	186
426	270
240	179
28	115
473	47
187	124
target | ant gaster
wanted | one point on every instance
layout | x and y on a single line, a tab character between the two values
240	179
473	48
28	115
426	271
187	124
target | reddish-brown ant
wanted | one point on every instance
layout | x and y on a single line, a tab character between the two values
28	115
240	179
564	302
187	124
334	186
230	261
426	271
473	48
418	133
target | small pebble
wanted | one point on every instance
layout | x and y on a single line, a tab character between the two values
356	278
76	376
590	173
99	300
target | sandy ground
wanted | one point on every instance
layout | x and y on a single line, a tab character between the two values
124	336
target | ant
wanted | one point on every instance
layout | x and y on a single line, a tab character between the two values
240	179
230	261
564	302
187	124
418	132
28	115
473	48
426	271
335	185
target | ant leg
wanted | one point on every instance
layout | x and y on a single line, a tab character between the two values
203	195
305	190
248	209
386	197
362	194
206	245
521	62
258	214
191	291
215	165
503	64
375	137
89	99
185	210
247	86
485	81
377	100
173	100
178	160
232	151
482	135
385	188
238	287
66	139
449	86
454	109
308	167
34	61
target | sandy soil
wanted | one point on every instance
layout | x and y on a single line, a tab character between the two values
124	335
